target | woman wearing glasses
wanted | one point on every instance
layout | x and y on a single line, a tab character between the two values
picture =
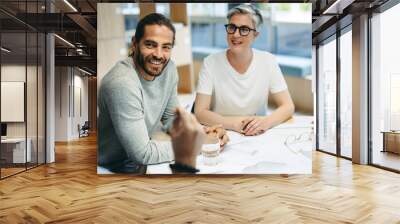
234	84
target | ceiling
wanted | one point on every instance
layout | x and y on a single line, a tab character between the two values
330	15
76	25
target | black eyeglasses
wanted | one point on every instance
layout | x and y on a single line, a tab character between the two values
243	30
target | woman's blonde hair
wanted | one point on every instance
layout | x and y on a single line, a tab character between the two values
247	9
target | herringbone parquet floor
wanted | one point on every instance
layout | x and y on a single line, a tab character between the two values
70	191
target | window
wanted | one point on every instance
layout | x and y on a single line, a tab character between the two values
385	89
346	93
327	96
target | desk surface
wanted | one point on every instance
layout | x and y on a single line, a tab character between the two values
390	132
263	154
13	140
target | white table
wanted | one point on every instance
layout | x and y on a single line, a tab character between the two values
17	145
263	154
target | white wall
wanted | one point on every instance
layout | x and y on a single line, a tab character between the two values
12	73
70	83
80	103
12	100
34	125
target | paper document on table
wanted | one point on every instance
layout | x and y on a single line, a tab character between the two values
260	154
276	151
297	122
236	139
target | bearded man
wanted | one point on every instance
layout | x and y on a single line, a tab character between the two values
138	93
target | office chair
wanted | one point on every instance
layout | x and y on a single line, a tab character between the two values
84	130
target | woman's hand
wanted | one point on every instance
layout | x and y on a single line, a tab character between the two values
238	124
255	125
219	132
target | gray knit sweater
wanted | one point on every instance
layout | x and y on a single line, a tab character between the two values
130	109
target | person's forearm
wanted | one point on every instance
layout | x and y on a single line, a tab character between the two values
280	115
210	118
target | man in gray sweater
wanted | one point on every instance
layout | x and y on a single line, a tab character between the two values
135	95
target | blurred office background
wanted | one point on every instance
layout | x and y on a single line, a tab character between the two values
47	74
286	32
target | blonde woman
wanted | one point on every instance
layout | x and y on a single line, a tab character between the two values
234	84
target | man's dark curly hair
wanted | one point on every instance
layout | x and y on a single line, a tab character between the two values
153	19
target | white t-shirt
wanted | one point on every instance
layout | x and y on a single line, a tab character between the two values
235	94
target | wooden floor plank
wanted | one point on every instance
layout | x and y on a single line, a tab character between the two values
70	191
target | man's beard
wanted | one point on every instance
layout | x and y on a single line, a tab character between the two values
141	61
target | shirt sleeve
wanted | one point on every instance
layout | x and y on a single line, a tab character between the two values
277	83
173	102
127	115
205	82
